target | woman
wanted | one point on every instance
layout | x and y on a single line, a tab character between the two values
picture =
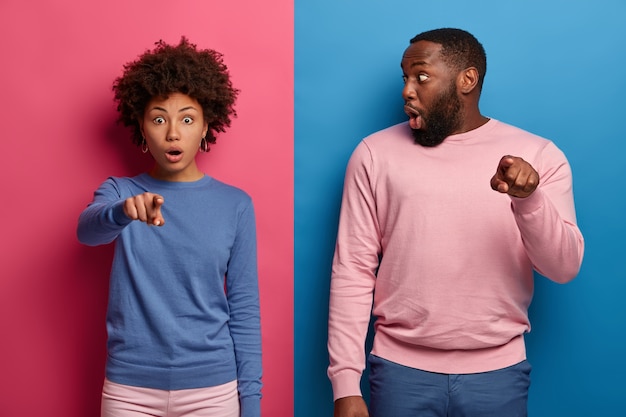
183	316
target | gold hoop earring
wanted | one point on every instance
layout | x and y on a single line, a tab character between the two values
204	145
144	146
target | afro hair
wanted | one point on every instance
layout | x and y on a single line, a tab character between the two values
199	73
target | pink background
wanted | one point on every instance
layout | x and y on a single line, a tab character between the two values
60	141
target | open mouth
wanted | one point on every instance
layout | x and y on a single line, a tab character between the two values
415	119
174	155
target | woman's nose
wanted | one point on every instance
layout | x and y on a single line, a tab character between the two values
172	133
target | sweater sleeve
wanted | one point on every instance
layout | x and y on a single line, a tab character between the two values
245	324
354	268
547	220
104	218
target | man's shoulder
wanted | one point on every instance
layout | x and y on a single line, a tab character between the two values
389	138
526	144
397	131
514	132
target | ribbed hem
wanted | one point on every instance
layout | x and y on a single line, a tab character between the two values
529	204
119	217
169	378
450	361
346	384
250	406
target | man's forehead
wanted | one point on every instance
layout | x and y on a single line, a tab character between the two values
421	52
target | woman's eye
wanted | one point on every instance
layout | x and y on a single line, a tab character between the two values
422	77
187	120
404	78
159	120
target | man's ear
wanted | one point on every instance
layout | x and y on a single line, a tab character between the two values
467	80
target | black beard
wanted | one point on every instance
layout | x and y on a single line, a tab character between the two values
443	118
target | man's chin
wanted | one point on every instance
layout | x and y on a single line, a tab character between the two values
423	138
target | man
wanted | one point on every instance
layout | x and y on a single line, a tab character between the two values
443	220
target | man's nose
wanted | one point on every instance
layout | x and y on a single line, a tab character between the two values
408	92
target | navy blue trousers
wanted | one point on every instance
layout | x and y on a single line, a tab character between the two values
400	391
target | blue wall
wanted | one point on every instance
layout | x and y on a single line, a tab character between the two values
555	68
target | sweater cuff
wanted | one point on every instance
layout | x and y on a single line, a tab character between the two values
250	406
346	384
529	204
119	217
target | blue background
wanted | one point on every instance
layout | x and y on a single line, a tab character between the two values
555	68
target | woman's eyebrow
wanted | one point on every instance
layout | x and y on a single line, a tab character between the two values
184	109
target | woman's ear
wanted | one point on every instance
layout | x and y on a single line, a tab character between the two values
140	121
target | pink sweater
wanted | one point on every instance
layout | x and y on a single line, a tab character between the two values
446	261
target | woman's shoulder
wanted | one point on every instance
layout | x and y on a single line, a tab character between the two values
227	190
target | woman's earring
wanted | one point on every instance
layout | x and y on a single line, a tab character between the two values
144	146
204	145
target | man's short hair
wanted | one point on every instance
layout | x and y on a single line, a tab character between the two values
459	49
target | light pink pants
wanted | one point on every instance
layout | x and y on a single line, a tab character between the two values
127	401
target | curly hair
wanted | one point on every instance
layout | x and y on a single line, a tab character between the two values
198	73
459	49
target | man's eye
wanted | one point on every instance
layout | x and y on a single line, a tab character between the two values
422	77
404	78
159	120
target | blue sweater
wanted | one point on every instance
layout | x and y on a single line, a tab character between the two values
183	302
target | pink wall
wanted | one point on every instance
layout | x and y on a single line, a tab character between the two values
60	141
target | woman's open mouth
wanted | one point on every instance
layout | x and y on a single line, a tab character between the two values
174	155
